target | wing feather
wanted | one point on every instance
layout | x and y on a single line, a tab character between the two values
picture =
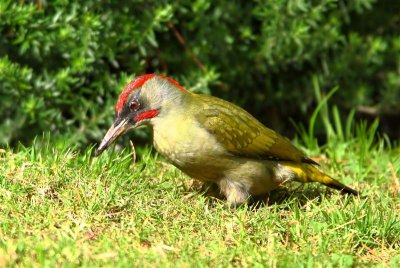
243	135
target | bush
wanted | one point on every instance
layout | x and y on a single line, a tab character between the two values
63	63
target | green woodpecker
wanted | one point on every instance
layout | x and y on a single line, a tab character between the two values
212	140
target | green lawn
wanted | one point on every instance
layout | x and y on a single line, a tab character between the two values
62	207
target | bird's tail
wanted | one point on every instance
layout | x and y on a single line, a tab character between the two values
309	173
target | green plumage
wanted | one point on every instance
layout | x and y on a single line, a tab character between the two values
241	134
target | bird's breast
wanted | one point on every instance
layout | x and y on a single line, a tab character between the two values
189	147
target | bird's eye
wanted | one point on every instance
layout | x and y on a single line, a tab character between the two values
134	105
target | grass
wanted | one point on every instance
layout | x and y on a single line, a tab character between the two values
62	207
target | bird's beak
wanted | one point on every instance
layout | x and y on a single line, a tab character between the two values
112	134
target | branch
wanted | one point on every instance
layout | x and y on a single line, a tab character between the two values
181	40
40	5
377	111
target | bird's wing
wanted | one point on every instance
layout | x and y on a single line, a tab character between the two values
243	135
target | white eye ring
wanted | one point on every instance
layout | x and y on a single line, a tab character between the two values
134	105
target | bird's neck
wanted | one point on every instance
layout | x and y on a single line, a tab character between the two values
175	104
172	125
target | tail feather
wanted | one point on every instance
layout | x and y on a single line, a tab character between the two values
309	173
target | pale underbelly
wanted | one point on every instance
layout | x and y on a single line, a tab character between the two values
257	176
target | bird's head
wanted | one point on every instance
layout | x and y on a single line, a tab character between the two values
143	99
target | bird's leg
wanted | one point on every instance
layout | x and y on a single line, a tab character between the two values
235	192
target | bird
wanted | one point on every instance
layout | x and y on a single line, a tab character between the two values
213	140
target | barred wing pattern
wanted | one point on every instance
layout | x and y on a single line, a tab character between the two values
243	135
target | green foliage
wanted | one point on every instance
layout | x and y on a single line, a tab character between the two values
63	63
61	67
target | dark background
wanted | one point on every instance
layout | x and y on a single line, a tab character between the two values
63	63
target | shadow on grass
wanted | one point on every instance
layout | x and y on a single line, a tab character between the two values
302	195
